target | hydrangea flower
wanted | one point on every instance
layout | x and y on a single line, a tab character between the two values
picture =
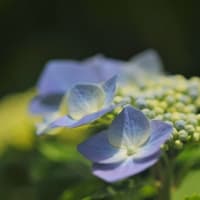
130	145
60	75
88	102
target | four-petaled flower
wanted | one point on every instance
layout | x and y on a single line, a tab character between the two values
130	145
88	102
61	75
86	88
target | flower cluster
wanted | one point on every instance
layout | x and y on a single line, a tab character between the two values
73	94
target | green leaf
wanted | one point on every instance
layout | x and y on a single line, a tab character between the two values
193	197
188	187
59	152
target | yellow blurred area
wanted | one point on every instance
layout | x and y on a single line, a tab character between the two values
16	127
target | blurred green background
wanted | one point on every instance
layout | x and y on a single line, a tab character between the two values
34	31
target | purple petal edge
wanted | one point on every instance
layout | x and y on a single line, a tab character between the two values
116	172
68	122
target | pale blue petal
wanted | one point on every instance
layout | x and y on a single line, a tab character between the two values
129	129
160	133
66	121
60	75
105	67
45	104
109	89
98	149
149	60
119	171
84	99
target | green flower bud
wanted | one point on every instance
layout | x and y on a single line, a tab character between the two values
180	124
165	147
179	106
158	110
183	135
163	105
196	136
193	121
169	122
170	100
159	117
193	92
185	99
167	116
178	144
189	128
198	129
141	103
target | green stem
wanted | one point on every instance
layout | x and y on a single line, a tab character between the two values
165	178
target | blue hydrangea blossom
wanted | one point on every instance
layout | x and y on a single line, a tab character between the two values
61	75
130	145
88	102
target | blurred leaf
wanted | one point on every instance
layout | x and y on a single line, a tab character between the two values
189	186
60	152
194	197
186	160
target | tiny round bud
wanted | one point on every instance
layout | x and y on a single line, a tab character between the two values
169	122
167	116
193	92
193	121
183	135
165	147
189	128
198	129
152	104
180	124
140	103
185	99
175	133
170	100
179	106
196	137
118	98
159	117
178	144
158	110
163	105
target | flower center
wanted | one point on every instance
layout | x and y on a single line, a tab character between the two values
131	151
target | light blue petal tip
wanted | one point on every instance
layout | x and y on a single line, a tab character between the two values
109	88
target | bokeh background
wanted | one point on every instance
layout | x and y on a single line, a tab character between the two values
34	31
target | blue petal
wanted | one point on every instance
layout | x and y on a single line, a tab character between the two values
149	61
105	67
160	133
45	104
130	129
119	171
68	122
60	75
110	88
84	99
98	149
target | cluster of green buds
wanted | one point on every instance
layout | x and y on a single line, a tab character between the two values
173	99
